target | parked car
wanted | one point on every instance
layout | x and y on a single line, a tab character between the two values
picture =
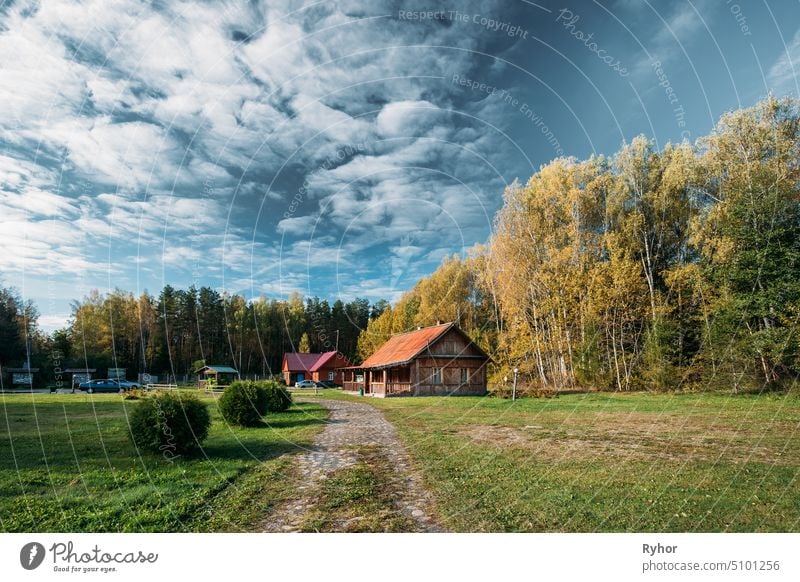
305	384
128	385
107	385
328	384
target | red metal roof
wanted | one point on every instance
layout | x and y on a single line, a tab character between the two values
297	362
404	346
325	358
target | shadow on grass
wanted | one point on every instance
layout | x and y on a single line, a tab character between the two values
256	442
288	419
292	422
244	451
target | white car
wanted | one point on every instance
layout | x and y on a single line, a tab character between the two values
305	384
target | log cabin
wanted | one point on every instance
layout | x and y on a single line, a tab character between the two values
439	360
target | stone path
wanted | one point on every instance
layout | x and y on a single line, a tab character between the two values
350	425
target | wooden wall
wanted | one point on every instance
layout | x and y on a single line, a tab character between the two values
451	376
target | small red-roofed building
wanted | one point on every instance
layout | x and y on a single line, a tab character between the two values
325	366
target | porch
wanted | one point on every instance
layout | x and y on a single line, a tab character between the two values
378	382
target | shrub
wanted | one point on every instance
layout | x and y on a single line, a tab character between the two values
278	397
134	394
170	422
243	403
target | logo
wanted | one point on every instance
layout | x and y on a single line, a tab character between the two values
31	555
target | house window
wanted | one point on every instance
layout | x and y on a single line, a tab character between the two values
330	376
465	375
436	377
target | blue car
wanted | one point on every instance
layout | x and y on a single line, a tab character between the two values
107	385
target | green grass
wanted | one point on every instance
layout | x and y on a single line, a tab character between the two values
596	462
358	499
606	462
67	464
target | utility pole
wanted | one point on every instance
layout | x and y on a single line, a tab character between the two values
514	388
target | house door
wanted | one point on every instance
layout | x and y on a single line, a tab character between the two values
301	377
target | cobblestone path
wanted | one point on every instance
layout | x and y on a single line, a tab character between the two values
350	425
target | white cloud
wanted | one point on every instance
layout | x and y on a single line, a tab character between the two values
674	30
132	154
784	74
134	124
44	247
298	225
39	203
53	321
408	118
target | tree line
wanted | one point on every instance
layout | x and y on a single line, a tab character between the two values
648	269
179	330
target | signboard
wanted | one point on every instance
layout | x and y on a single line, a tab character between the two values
21	378
145	378
80	378
359	377
116	373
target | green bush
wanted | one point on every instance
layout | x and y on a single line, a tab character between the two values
169	422
278	397
134	394
243	403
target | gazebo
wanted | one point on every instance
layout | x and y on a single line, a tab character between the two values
210	377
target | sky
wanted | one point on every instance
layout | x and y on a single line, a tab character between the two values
335	148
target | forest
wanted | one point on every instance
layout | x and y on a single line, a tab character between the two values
666	269
655	268
176	332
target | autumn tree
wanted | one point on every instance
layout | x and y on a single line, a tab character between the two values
749	240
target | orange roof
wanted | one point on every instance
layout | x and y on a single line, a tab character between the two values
403	347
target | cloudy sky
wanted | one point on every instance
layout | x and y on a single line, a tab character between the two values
332	147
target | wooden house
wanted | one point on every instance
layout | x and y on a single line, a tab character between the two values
318	367
439	360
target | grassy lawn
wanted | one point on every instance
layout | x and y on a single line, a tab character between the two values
67	464
607	462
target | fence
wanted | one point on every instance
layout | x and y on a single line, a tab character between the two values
161	386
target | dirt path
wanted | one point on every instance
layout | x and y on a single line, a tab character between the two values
352	425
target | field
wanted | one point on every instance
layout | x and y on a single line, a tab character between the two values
67	464
577	463
607	462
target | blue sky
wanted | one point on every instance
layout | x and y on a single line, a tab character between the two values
338	149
